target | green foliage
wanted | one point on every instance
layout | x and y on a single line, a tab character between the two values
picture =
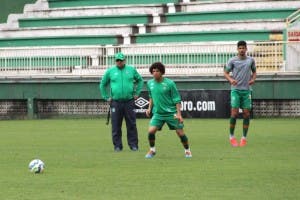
81	164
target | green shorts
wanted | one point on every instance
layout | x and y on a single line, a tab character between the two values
241	99
158	121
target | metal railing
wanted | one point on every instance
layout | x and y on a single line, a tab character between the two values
188	59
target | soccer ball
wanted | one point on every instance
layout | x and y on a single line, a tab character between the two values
36	166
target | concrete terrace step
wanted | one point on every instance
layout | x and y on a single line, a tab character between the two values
33	10
242	25
61	41
205	36
223	5
18	21
278	13
230	25
90	30
82	3
95	20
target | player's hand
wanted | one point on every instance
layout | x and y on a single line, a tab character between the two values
179	117
148	112
135	97
251	82
109	100
233	82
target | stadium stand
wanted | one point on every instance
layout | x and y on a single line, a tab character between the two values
135	27
72	42
272	20
91	22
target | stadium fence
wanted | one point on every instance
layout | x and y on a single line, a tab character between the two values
188	59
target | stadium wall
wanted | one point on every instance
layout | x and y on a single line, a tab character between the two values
7	7
276	95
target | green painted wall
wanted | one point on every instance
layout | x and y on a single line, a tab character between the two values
58	41
266	87
72	21
50	90
229	15
8	6
259	35
29	90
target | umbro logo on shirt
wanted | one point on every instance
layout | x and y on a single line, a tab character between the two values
141	102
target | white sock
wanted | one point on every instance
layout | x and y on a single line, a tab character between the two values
152	149
187	150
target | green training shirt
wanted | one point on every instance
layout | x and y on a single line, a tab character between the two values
125	83
164	95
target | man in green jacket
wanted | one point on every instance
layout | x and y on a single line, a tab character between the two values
125	87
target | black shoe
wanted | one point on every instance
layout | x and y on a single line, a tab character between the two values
134	148
118	149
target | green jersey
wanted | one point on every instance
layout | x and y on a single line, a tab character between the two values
125	83
164	95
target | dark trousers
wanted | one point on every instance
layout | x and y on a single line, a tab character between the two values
120	110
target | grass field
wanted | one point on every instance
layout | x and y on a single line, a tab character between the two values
81	163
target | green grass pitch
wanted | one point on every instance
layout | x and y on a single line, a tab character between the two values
81	164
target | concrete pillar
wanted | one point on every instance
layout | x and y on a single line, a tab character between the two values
95	60
127	39
141	28
156	18
31	108
171	8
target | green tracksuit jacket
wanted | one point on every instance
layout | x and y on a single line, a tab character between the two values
125	83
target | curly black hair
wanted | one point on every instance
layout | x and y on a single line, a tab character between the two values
159	66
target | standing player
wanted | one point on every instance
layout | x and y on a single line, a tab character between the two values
125	86
164	103
243	76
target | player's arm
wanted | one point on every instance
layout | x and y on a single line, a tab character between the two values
139	82
148	111
228	68
103	86
253	77
228	77
178	113
177	100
